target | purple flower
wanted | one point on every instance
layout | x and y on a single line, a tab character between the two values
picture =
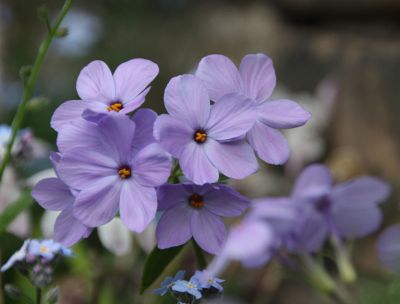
388	247
99	90
18	256
346	210
206	138
255	79
110	176
196	211
191	287
168	282
206	280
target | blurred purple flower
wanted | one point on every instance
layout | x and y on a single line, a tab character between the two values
346	210
196	211
256	79
206	138
111	177
99	90
206	280
388	247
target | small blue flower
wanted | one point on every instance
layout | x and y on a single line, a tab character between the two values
168	282
47	249
18	256
206	280
191	287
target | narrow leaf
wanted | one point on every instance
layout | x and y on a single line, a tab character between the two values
13	210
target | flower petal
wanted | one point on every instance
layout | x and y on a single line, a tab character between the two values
313	182
233	159
95	82
68	230
52	194
258	76
196	166
132	105
282	114
144	121
173	229
186	98
220	76
98	203
208	231
225	202
171	195
270	145
231	117
152	166
389	248
138	205
132	77
115	237
173	134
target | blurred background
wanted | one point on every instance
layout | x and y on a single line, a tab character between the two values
340	59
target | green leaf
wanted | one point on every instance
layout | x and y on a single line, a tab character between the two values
156	263
13	210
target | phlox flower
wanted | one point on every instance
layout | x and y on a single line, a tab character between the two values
206	138
388	247
101	91
256	79
196	211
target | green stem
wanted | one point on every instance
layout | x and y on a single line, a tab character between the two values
346	269
30	83
201	260
38	295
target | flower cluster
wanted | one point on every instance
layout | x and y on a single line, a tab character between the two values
111	162
201	285
36	259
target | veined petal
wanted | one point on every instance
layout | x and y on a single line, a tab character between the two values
170	195
270	145
95	82
173	229
196	166
258	76
314	181
231	117
233	159
132	77
282	114
225	202
173	134
144	121
53	194
220	76
98	202
138	205
208	231
186	98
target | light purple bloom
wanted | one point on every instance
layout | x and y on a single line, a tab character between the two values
206	138
112	178
196	211
388	247
101	91
191	287
346	210
256	79
18	256
207	280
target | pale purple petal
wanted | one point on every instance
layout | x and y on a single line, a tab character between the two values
388	247
258	76
172	195
220	76
132	105
138	205
173	134
132	77
186	98
225	202
208	231
282	114
314	181
151	166
231	117
68	230
95	82
53	194
270	145
144	120
196	166
79	167
173	229
98	202
233	159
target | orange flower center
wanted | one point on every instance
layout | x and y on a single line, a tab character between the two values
196	201
115	106
124	172
200	136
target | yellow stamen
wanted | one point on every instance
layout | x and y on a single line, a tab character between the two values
115	106
124	173
44	249
200	136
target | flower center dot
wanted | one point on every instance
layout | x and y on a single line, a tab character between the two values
43	249
196	201
115	106
200	136
124	172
